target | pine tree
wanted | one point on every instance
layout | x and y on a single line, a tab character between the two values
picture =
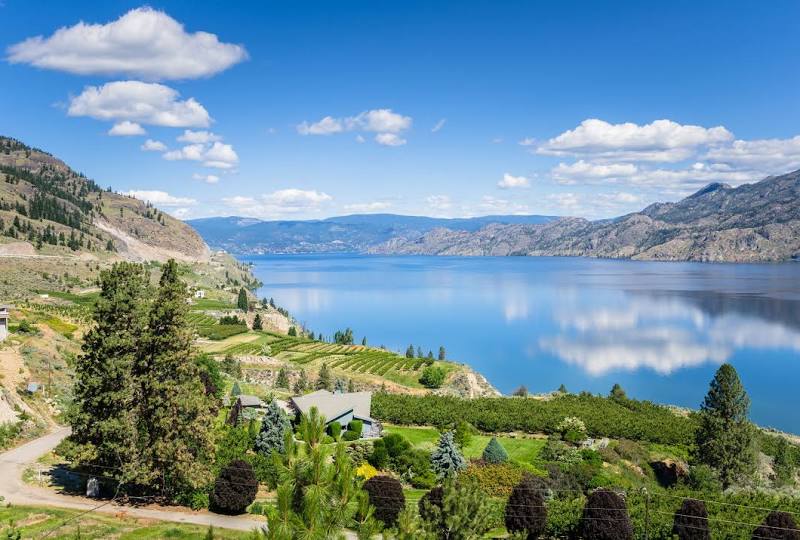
364	341
442	353
419	352
446	459
104	426
325	380
241	300
350	386
783	464
257	322
236	390
302	383
340	386
494	452
274	426
410	351
282	381
725	436
617	393
174	415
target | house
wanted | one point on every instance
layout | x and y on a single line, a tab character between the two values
253	402
342	407
3	322
199	293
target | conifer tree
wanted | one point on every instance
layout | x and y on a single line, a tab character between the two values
103	426
258	324
302	383
241	300
350	386
282	381
174	415
494	452
442	353
273	430
325	380
725	436
446	459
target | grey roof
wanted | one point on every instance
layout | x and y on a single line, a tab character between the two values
334	405
250	401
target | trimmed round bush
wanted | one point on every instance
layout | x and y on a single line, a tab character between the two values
605	517
335	430
235	488
494	452
386	495
691	521
431	506
525	510
778	526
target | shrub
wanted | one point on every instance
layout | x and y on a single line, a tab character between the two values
446	460
379	458
430	505
463	434
335	430
386	495
495	480
235	488
703	478
525	510
366	471
196	500
432	377
572	429
356	425
494	452
414	466
777	525
559	452
605	517
691	521
359	452
264	469
274	426
351	435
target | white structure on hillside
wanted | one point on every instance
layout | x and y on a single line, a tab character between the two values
3	322
199	293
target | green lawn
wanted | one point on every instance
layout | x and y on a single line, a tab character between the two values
524	450
57	523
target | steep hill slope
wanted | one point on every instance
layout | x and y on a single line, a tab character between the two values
753	222
47	209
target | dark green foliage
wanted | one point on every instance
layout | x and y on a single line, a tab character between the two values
235	414
640	420
302	383
335	430
356	426
258	324
430	505
525	510
282	380
410	351
778	526
227	320
605	517
343	337
442	354
379	458
241	300
703	478
432	377
351	436
691	521
446	460
725	437
231	366
458	511
783	464
325	379
386	495
494	452
236	389
292	331
463	434
210	375
274	427
218	332
235	488
522	391
617	393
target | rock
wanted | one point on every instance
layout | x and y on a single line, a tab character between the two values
93	488
669	471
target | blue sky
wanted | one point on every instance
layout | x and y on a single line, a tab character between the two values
311	109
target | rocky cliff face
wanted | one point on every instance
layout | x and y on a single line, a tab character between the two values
751	223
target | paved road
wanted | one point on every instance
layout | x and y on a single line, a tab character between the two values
14	462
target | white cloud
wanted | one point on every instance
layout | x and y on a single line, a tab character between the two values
439	202
439	125
527	141
509	182
386	123
580	170
494	205
769	155
389	139
217	155
565	201
146	103
126	128
151	145
142	43
277	203
203	136
365	208
207	178
181	213
661	140
160	198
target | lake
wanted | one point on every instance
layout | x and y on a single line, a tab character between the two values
659	329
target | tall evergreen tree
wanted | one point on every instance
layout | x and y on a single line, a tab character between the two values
258	324
174	415
282	380
103	426
273	430
302	383
446	459
241	300
442	353
725	436
325	380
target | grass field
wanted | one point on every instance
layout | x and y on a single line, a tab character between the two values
56	523
524	450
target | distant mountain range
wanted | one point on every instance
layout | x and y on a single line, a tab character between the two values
345	234
750	223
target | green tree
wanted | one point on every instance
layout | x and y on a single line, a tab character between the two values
292	331
432	377
494	452
783	464
364	341
210	375
442	353
463	433
258	324
419	352
350	386
274	426
462	513
725	436
104	421
325	379
410	351
302	383
617	393
241	300
236	390
446	459
282	380
175	416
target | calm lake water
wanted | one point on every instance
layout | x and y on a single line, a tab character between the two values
658	329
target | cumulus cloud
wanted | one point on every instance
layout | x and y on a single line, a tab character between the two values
769	155
207	178
510	181
386	123
203	136
366	208
143	43
495	205
569	174
439	125
126	128
661	140
389	139
160	198
216	155
277	203
151	145
136	101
